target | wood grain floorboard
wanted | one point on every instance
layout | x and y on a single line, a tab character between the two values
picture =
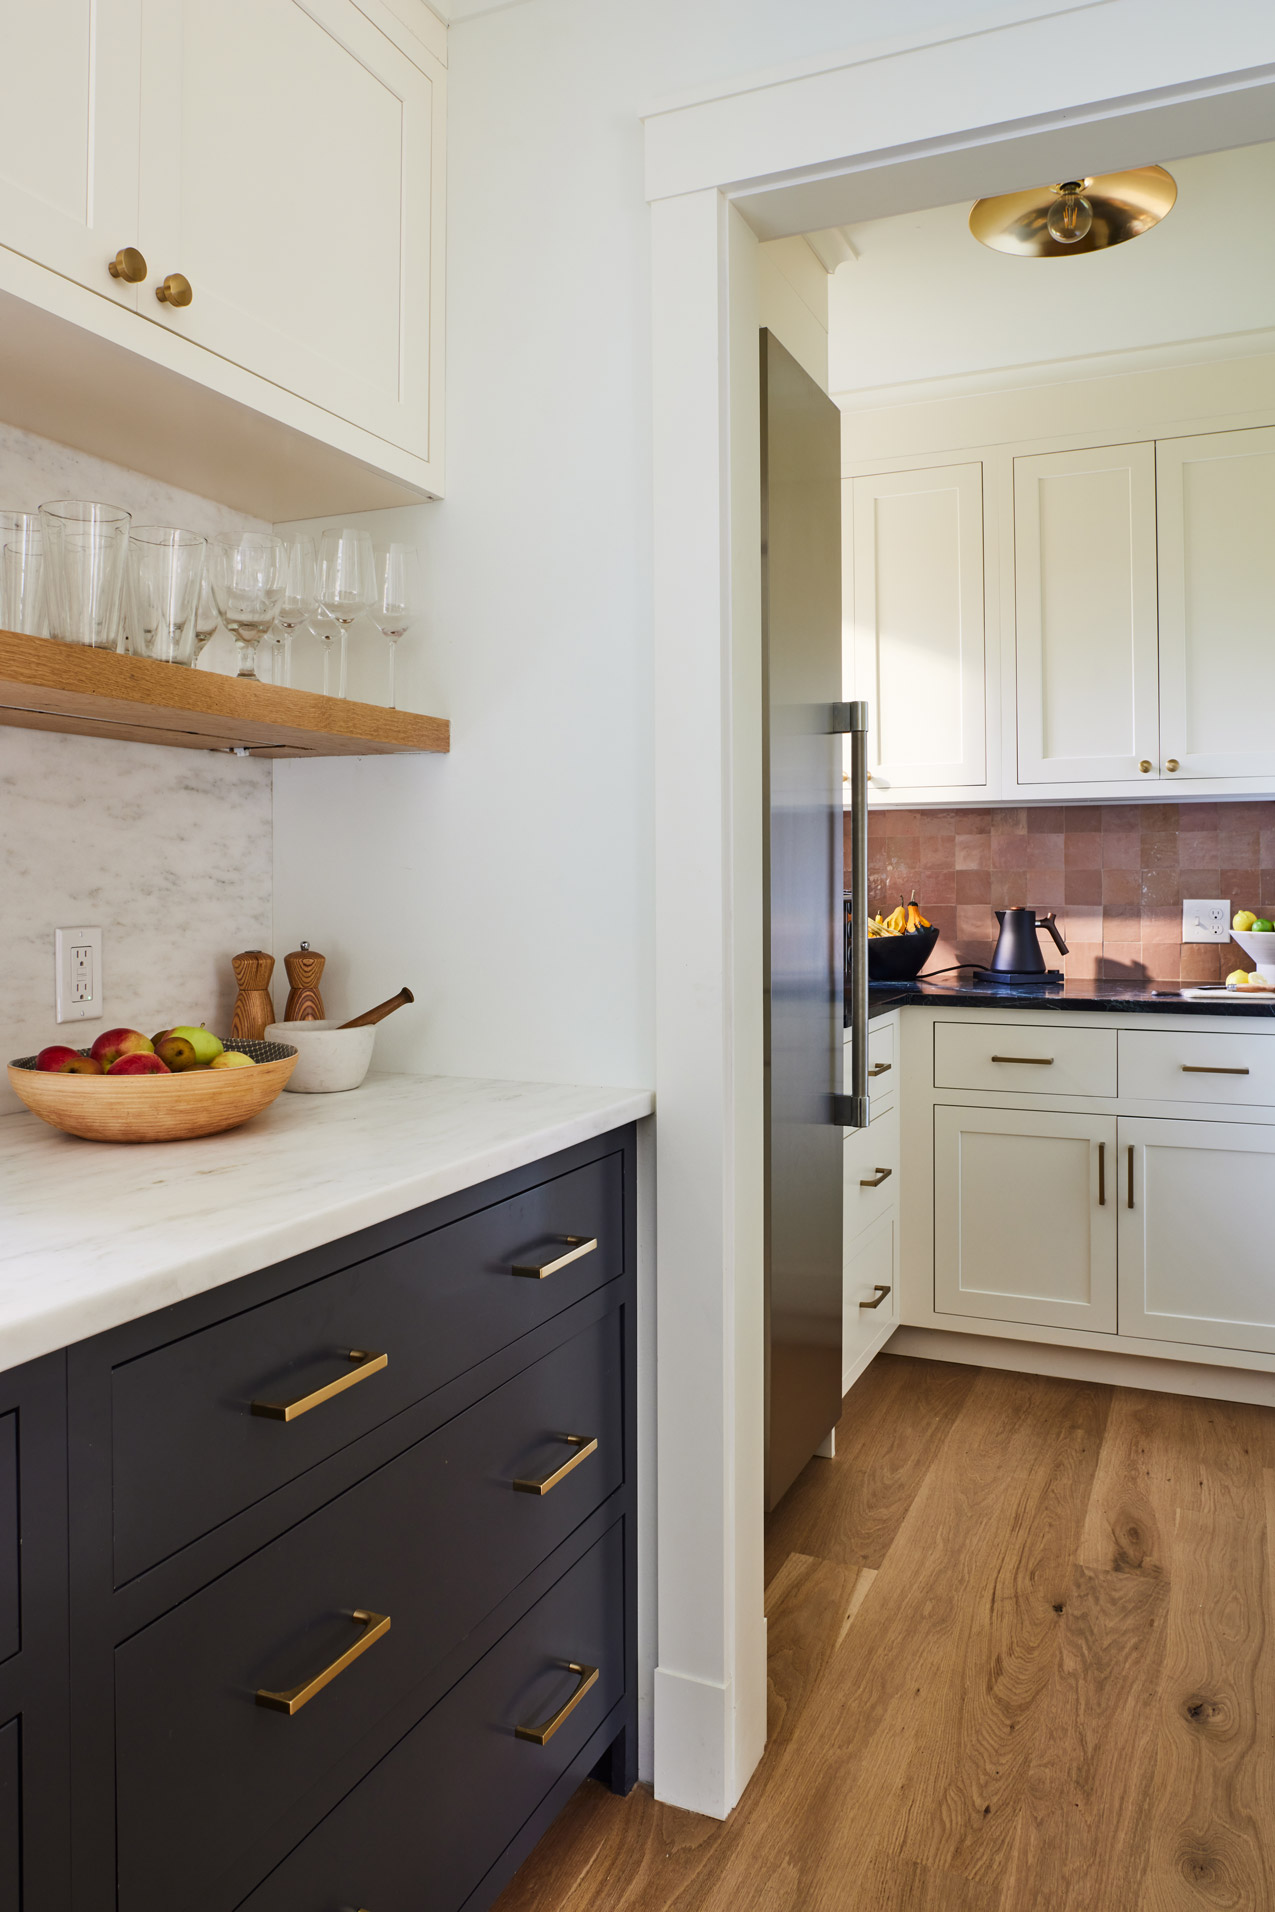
1022	1659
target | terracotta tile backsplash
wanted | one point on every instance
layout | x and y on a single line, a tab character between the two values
1115	873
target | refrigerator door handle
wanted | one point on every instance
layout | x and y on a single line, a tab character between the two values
854	1112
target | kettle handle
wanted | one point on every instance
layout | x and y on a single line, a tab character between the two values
1048	922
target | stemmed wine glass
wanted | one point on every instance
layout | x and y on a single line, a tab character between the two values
396	603
207	617
300	598
247	571
347	585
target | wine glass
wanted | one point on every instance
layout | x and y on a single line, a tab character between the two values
207	617
396	603
300	598
347	585
247	570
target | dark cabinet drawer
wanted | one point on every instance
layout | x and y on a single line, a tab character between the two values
463	1775
188	1449
435	1539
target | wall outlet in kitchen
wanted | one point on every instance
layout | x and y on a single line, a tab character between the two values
78	969
1206	920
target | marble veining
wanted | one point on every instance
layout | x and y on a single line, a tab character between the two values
93	1234
1114	998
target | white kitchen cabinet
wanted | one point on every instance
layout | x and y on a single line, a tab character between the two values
1216	513
1196	1223
1025	1217
1085	616
916	643
870	1311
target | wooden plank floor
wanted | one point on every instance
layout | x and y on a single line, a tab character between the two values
1022	1659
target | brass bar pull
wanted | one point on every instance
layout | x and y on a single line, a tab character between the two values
541	1735
290	1410
1039	1062
584	1445
875	1181
1102	1174
577	1245
880	1068
1131	1174
882	1290
1201	1068
375	1627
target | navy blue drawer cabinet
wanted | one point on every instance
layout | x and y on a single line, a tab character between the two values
344	1553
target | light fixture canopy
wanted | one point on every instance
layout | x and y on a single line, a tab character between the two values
1049	222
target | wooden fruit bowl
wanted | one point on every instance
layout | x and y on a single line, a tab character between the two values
155	1108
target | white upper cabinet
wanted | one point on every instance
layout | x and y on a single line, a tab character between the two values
1085	615
68	136
286	157
915	649
1216	504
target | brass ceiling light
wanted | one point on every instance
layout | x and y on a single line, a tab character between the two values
1075	215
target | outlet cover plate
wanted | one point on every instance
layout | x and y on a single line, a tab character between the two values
78	972
1206	919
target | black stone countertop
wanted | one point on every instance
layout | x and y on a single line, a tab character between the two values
1117	998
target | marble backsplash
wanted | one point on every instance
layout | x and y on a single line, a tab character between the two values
168	850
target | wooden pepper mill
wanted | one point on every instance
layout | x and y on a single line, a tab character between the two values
254	1011
304	967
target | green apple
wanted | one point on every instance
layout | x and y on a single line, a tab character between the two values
201	1040
232	1059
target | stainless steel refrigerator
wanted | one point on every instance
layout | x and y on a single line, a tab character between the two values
807	1107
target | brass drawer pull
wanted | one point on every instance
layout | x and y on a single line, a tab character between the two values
576	1245
541	1735
1039	1062
882	1290
289	1410
1202	1068
375	1627
584	1445
875	1181
880	1068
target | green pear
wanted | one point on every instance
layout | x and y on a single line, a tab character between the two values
201	1040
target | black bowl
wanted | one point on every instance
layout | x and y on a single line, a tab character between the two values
900	959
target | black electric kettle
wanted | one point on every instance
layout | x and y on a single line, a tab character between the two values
1017	957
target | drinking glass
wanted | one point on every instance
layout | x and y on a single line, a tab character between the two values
247	581
207	616
347	586
396	603
165	571
85	555
300	598
22	574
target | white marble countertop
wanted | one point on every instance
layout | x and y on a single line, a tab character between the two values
93	1234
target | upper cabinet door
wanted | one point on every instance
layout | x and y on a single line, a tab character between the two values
1216	500
68	136
290	172
916	651
1085	598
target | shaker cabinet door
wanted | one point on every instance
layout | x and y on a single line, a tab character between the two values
1085	616
290	169
1216	505
68	136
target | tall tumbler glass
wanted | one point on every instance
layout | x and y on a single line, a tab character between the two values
22	574
85	556
165	571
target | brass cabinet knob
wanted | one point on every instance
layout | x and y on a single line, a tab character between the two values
176	290
1172	764
1145	765
128	265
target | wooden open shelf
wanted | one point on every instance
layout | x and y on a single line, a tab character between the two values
50	686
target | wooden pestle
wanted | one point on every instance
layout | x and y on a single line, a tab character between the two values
382	1010
254	1011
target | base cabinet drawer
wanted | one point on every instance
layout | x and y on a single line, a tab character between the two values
870	1179
871	1306
1010	1058
1188	1065
464	1776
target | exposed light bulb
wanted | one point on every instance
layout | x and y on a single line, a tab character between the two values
1071	215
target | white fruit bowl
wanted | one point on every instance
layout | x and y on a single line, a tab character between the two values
329	1058
1260	950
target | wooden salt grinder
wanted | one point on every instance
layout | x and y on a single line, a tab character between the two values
254	1010
304	967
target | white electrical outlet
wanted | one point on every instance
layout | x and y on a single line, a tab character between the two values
1206	920
78	955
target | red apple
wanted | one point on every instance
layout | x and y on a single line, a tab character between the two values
57	1059
113	1043
139	1062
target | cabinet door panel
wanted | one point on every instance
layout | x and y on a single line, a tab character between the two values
68	136
286	164
917	651
1021	1229
872	1263
1216	506
1195	1245
1085	601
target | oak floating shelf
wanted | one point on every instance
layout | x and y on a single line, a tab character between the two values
49	686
